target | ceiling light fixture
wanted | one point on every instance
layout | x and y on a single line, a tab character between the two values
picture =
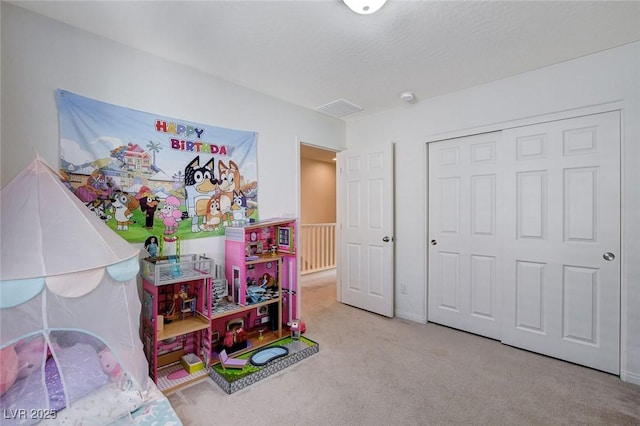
365	7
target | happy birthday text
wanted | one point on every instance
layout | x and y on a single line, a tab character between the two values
185	144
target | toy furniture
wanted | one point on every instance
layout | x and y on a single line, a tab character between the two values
295	329
265	355
176	316
188	306
227	362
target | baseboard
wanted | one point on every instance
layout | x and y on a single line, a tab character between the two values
630	377
411	317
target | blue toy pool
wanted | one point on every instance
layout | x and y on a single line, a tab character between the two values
263	356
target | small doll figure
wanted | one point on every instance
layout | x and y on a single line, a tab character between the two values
151	246
268	282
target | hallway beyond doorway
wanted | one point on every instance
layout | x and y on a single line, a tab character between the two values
322	278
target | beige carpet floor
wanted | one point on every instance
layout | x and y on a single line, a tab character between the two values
373	370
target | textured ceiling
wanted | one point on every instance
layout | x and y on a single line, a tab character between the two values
312	53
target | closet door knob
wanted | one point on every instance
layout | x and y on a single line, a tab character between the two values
608	256
434	243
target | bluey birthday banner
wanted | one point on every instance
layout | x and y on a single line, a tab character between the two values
148	176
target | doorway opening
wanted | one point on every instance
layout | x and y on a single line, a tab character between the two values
317	216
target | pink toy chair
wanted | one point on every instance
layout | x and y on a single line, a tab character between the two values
227	362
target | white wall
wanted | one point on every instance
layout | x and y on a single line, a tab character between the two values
40	55
318	191
588	82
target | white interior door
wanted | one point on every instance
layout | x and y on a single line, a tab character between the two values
546	277
562	270
464	236
365	195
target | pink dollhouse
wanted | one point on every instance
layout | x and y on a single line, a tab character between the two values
258	257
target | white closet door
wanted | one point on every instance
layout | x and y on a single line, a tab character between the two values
524	232
561	287
464	233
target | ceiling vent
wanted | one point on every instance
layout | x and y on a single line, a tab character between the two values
339	108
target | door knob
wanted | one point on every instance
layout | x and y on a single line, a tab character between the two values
434	243
386	239
608	256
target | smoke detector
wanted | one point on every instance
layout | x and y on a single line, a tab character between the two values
407	96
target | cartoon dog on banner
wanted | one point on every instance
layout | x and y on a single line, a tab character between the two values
101	208
123	206
229	185
200	185
214	215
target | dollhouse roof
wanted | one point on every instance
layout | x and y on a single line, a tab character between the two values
46	231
